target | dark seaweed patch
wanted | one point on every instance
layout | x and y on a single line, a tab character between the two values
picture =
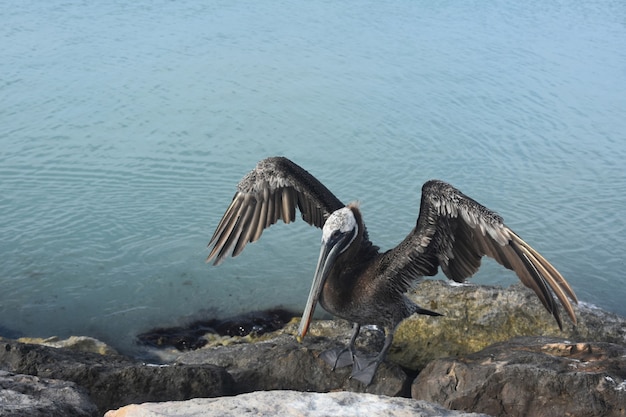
191	337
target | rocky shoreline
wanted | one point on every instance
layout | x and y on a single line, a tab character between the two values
495	351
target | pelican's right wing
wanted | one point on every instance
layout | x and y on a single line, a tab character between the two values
270	192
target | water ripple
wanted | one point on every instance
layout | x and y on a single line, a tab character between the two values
126	126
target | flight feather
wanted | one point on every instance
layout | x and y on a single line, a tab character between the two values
271	191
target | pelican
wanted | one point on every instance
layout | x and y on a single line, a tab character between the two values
353	279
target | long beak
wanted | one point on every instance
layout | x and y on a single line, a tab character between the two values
328	254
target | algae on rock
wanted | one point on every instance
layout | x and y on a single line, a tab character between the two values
476	316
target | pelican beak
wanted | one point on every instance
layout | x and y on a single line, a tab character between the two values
328	254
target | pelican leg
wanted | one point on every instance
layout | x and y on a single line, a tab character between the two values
339	358
365	367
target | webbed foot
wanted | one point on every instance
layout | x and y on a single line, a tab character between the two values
337	358
364	368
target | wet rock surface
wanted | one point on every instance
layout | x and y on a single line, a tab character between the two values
77	343
531	377
194	335
291	403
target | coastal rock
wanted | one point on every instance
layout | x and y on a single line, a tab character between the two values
112	381
27	395
476	316
282	363
290	403
80	343
531	377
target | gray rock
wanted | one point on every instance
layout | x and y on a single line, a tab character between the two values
112	381
475	317
27	395
290	403
282	363
531	377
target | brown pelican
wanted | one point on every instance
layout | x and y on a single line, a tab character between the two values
356	282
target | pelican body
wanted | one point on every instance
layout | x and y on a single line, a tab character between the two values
353	279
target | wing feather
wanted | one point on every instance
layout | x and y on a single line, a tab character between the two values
260	222
234	206
225	228
454	232
270	192
246	218
554	279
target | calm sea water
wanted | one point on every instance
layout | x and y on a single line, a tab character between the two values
125	126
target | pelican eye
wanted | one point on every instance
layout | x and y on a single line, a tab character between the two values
335	236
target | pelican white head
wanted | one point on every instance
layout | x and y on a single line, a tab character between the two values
342	221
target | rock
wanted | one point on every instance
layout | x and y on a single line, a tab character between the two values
27	395
80	343
477	316
112	381
531	377
282	363
290	403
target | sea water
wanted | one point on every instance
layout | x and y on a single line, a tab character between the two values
125	127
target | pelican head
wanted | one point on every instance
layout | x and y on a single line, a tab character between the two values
339	231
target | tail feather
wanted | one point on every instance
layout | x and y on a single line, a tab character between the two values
420	310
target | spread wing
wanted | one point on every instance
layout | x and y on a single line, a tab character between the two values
270	192
454	232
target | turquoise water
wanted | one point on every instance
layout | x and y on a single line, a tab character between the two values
125	126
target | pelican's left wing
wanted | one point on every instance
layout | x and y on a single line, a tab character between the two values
270	192
454	232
